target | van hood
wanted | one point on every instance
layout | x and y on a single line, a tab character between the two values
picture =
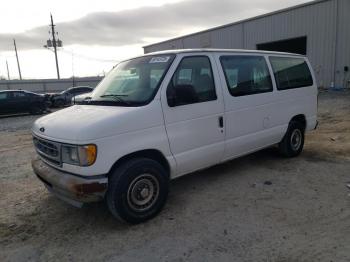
90	122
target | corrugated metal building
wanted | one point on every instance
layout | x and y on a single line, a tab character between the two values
320	29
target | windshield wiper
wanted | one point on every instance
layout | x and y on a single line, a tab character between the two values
118	98
85	100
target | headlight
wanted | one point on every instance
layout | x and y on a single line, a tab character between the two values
79	155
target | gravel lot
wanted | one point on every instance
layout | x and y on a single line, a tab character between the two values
260	207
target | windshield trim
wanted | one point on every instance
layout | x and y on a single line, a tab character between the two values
147	55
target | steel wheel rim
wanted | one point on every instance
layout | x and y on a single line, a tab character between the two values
295	139
143	192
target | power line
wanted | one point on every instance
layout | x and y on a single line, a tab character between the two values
89	57
70	52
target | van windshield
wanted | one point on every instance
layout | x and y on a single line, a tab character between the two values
133	82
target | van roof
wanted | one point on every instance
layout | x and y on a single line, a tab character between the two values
199	50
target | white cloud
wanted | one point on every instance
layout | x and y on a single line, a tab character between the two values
106	30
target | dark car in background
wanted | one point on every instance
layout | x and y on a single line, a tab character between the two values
20	101
64	98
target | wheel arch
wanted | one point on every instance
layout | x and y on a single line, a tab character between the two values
153	154
301	119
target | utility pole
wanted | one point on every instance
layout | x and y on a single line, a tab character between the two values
73	69
19	68
54	43
8	72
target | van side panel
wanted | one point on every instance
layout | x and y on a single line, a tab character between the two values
302	101
297	101
150	138
256	121
248	118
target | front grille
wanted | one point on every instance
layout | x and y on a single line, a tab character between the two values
46	147
51	151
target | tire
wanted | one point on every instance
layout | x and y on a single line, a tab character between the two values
293	141
137	190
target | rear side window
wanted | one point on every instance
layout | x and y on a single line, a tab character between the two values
246	75
76	90
85	89
192	82
291	72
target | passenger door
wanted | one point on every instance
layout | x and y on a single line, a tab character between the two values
193	108
249	103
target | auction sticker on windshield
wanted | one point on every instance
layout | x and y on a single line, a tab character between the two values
159	59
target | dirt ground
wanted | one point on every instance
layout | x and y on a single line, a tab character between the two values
261	207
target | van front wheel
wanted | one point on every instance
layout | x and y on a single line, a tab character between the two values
137	190
293	141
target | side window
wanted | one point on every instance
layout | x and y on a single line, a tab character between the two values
291	72
76	91
193	82
84	89
246	75
18	94
185	76
3	96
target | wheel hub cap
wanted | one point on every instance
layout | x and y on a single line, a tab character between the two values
143	192
295	139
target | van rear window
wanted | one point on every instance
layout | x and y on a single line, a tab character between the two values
291	72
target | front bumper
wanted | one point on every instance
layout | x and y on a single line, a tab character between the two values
73	189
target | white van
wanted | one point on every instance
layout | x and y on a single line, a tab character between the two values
162	115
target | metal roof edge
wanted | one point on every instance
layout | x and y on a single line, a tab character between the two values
242	21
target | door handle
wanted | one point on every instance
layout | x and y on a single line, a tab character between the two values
221	122
266	122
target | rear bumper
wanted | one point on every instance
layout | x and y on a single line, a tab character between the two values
73	189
